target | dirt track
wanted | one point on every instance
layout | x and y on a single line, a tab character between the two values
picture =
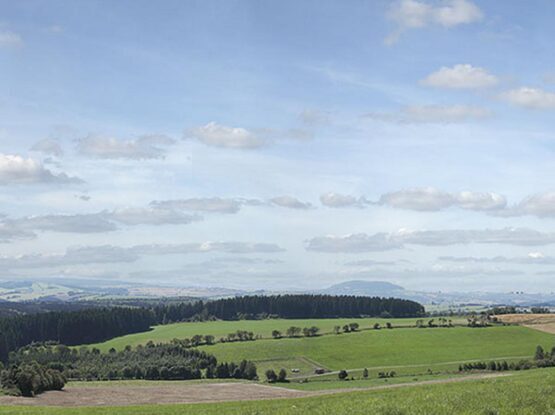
181	392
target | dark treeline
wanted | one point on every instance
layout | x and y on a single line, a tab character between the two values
162	361
100	324
312	306
72	328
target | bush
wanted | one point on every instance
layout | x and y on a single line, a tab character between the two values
271	376
31	379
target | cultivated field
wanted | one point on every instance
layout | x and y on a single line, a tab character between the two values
543	322
517	394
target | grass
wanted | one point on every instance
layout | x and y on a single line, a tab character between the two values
403	350
524	393
165	333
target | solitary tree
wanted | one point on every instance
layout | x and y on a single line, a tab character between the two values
293	331
337	330
271	376
365	373
342	375
276	334
282	375
540	354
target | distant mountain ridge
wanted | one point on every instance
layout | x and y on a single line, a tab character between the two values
83	290
365	288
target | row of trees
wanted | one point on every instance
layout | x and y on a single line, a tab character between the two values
441	322
164	361
542	358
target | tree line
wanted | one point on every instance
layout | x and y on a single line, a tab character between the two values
153	361
312	306
542	358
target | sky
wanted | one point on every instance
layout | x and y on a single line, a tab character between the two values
279	145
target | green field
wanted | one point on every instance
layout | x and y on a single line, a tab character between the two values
403	348
264	328
522	393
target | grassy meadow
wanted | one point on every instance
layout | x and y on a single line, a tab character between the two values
263	328
522	393
397	348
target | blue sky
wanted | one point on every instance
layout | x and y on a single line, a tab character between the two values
264	144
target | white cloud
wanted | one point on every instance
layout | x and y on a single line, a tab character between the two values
230	247
48	146
290	202
371	263
416	14
217	135
114	254
151	216
337	200
18	170
353	243
541	205
508	236
72	256
422	199
532	98
532	258
144	147
480	201
10	231
432	114
78	223
361	242
431	199
462	76
203	204
10	39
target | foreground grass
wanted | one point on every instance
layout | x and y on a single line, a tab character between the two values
264	328
523	393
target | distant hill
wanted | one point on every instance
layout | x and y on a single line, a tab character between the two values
365	288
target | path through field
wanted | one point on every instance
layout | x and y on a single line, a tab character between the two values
181	392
